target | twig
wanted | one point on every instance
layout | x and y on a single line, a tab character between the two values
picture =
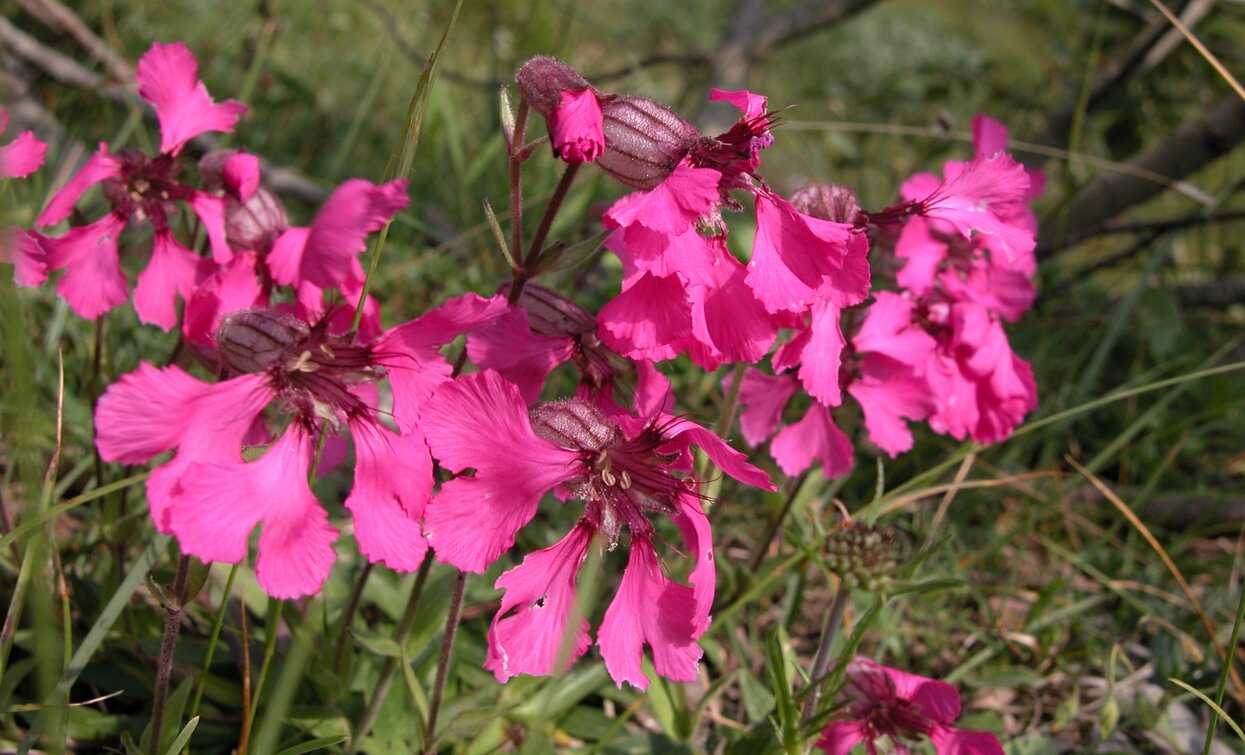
1201	48
1161	225
1193	144
59	18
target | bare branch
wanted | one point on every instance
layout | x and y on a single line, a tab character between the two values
1162	225
1216	293
277	178
1192	145
811	17
60	19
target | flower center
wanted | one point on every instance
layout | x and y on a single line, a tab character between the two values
311	369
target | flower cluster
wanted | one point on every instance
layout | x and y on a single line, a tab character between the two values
296	371
932	348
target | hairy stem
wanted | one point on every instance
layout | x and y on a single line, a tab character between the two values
164	668
516	181
551	211
443	665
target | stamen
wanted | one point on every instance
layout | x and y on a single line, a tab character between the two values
625	480
302	364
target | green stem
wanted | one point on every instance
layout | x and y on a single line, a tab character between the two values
771	527
212	640
347	618
551	211
1225	672
829	630
443	664
270	650
401	636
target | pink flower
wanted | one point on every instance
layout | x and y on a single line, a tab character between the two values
22	156
18	159
143	188
19	249
624	467
326	253
168	78
883	702
211	499
575	127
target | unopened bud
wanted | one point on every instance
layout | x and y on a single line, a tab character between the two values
551	314
212	168
543	79
573	423
256	223
254	340
644	141
828	202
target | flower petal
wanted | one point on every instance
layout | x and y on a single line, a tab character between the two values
93	282
813	437
22	156
19	249
168	78
172	270
339	232
532	631
392	485
762	398
217	505
480	421
97	168
650	610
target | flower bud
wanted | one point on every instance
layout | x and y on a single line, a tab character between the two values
254	340
828	202
551	314
232	170
644	141
256	223
574	423
543	79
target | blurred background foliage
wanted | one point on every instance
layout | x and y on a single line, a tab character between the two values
1060	621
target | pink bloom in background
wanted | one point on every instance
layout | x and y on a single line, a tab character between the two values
624	467
22	156
143	188
883	702
18	159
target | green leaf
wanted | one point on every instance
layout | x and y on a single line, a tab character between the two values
183	737
777	647
313	745
757	699
555	259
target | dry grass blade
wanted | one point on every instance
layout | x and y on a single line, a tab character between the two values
1201	48
945	504
1013	480
1140	526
